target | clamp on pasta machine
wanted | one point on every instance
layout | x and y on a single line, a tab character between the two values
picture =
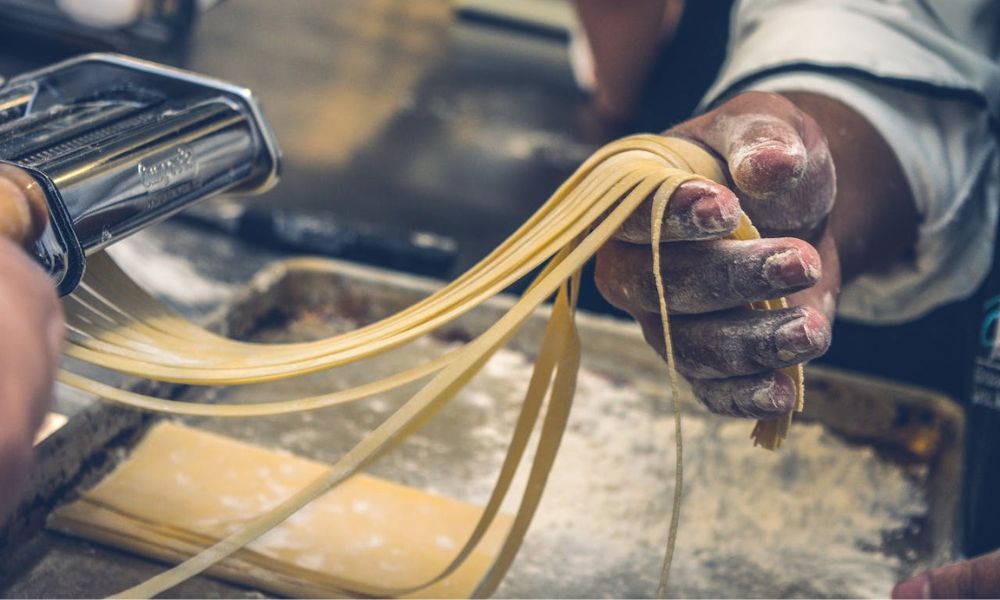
107	145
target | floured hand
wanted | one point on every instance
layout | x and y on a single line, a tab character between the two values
782	176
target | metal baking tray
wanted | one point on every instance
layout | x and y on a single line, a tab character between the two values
864	491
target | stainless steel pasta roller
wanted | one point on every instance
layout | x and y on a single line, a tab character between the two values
111	144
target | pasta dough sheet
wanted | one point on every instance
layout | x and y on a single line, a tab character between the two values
182	489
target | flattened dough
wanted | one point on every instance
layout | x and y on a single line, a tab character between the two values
183	488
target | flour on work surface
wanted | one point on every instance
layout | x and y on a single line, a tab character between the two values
807	521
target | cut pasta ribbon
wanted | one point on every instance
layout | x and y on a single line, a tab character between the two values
116	325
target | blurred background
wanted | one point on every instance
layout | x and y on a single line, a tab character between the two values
416	135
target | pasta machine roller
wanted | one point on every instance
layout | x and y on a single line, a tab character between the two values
114	144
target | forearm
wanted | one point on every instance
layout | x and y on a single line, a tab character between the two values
874	219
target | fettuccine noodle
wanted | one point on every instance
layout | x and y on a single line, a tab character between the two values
116	325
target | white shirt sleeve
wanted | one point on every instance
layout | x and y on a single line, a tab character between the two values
926	93
949	157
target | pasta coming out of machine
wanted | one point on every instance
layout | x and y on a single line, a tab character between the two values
114	144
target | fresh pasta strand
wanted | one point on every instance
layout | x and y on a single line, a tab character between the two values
659	207
114	324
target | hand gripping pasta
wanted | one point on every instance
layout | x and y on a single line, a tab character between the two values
116	325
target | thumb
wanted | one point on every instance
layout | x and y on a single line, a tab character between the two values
766	155
778	159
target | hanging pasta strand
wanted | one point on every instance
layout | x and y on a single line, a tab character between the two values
115	325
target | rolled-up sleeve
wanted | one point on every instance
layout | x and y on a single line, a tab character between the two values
933	98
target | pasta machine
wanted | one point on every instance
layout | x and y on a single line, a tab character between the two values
115	144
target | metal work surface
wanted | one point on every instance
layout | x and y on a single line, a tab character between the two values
820	518
392	112
824	517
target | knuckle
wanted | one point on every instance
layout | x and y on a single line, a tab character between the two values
697	349
692	365
713	398
708	276
622	276
607	278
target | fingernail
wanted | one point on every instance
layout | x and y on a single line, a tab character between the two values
711	215
794	339
776	398
767	168
787	269
914	587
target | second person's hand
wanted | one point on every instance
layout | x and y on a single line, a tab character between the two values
31	334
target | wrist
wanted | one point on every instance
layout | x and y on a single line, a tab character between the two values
874	219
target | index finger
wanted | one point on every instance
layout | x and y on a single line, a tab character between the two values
698	210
